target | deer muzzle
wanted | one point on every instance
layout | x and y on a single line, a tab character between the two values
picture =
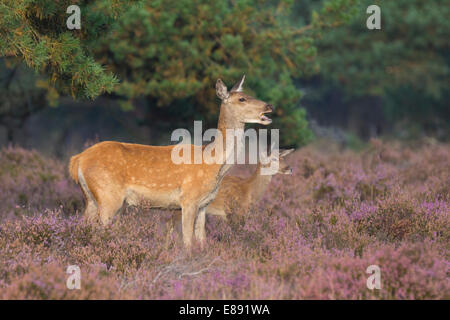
263	118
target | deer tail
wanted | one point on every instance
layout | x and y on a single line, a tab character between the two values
73	167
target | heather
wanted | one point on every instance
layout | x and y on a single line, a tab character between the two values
31	182
312	236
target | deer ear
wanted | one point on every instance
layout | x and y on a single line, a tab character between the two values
263	158
238	86
221	90
284	153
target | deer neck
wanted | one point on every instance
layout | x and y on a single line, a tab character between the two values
226	122
258	183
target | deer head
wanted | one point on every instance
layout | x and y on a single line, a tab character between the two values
241	107
283	167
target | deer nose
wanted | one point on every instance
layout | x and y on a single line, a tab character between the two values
269	107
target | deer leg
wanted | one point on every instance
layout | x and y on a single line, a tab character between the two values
176	222
187	221
90	213
108	198
172	225
109	202
108	207
91	210
169	231
200	233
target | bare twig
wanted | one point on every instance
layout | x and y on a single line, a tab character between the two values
198	272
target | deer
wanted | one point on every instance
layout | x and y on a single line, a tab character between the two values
112	173
237	194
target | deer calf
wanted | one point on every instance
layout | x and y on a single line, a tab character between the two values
111	173
236	194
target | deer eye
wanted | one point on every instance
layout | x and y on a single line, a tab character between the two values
242	99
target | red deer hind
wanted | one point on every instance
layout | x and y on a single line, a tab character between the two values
111	173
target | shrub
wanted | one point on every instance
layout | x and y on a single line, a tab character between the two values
291	245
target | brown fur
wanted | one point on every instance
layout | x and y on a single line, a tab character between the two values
237	195
110	173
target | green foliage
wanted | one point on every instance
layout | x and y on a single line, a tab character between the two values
176	50
36	32
172	51
405	63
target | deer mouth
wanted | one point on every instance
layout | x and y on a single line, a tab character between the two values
263	119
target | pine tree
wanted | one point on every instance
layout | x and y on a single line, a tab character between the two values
171	51
404	67
35	31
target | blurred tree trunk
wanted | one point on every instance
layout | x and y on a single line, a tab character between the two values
366	117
